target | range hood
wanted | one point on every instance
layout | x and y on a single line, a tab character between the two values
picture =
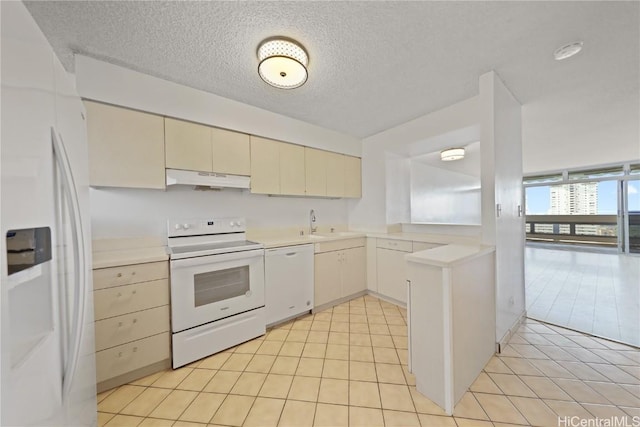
206	179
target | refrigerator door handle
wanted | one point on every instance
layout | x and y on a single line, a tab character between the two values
79	262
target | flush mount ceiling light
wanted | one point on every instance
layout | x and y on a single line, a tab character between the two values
567	51
452	154
283	63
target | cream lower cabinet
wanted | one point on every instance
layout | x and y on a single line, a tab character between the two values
392	274
327	277
391	278
126	147
131	322
339	270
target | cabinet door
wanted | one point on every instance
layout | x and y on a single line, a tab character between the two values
230	152
265	166
352	177
335	174
353	271
126	147
392	274
327	286
187	145
315	172
292	173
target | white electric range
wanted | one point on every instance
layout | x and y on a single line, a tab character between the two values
217	287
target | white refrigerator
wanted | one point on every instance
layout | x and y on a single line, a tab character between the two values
46	303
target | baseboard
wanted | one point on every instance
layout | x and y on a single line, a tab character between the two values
133	375
338	301
286	319
387	299
507	336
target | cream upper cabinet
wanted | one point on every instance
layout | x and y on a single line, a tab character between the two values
187	145
265	166
292	170
352	177
277	167
126	147
230	152
315	172
335	174
197	147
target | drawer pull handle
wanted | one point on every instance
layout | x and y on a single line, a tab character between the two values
119	275
135	320
135	349
133	273
133	292
120	354
119	324
291	307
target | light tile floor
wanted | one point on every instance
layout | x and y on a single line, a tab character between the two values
347	366
596	293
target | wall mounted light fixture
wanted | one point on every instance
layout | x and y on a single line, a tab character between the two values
283	63
452	154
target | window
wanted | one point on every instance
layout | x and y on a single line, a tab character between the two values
597	173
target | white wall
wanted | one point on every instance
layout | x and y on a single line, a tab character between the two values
501	176
110	83
444	196
615	142
134	212
398	177
453	125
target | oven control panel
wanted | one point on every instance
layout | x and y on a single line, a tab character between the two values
203	226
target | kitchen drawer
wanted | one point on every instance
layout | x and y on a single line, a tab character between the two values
134	355
128	274
396	245
130	327
121	300
421	246
336	245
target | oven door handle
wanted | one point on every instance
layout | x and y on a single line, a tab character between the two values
213	259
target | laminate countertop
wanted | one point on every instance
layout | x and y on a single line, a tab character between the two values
449	255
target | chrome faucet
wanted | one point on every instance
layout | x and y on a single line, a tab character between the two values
312	222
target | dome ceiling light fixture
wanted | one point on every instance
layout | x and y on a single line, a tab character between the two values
283	63
451	154
567	51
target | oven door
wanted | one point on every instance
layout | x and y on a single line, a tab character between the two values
208	288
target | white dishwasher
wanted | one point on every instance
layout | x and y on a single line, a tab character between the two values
288	276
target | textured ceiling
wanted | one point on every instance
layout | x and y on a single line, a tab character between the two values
375	65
